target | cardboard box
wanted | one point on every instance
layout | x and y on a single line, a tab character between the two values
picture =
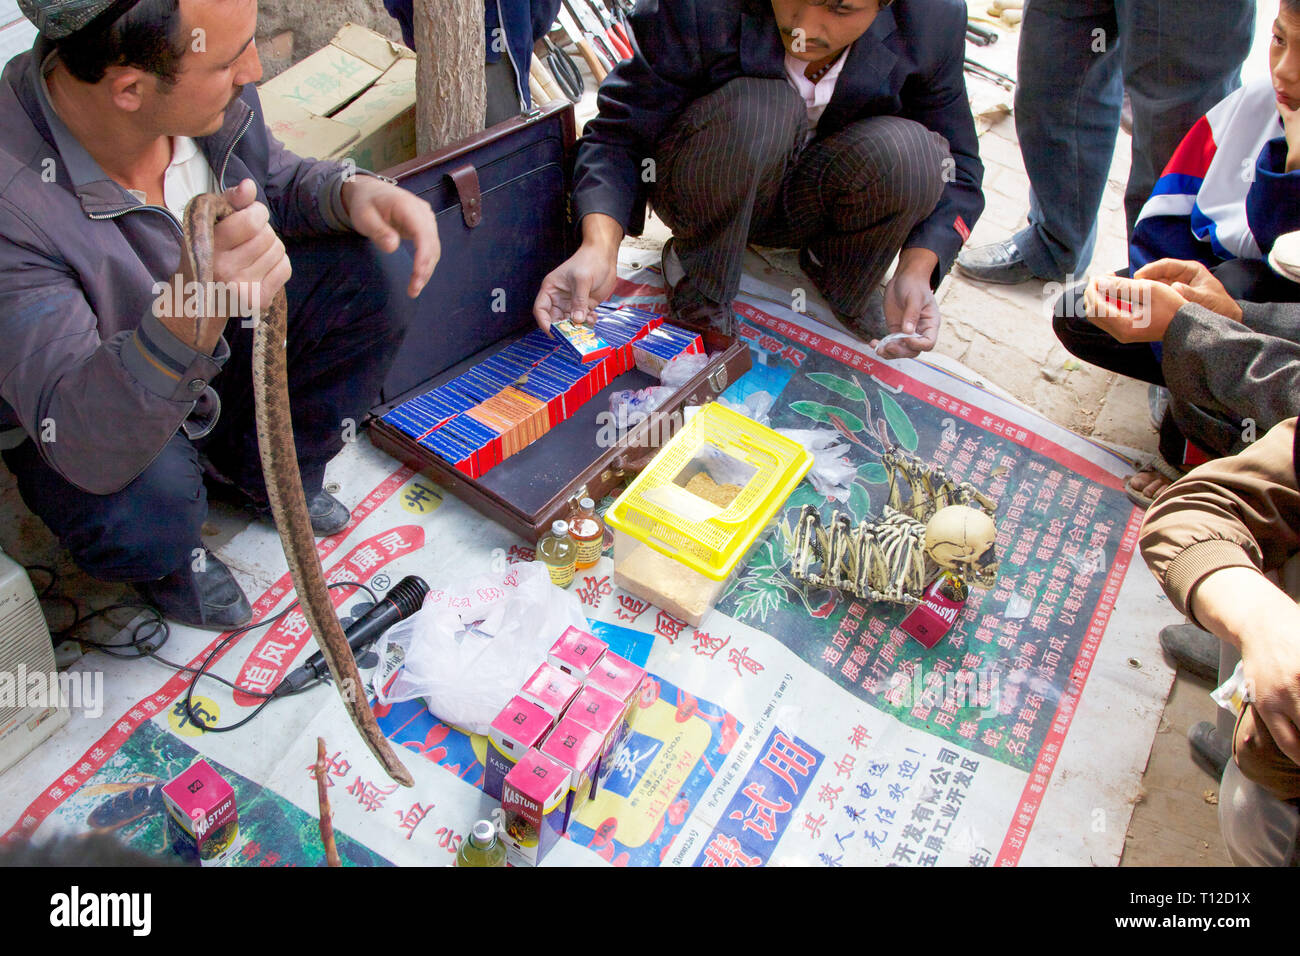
352	99
580	343
202	820
533	799
520	726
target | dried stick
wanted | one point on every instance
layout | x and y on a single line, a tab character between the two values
326	814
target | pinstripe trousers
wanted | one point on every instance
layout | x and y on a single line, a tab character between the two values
733	168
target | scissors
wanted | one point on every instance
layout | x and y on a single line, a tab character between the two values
565	71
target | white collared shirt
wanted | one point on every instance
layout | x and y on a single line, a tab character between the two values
815	95
188	175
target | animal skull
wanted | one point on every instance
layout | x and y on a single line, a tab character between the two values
958	536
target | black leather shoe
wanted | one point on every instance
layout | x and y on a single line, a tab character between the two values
210	599
328	514
998	262
1209	747
691	309
1193	650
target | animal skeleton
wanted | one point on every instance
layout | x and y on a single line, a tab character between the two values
893	558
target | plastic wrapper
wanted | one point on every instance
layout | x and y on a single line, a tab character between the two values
1232	694
831	475
632	406
756	405
471	646
682	369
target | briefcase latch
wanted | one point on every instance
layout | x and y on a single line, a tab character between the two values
718	378
465	179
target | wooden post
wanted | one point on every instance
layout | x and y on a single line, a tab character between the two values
451	96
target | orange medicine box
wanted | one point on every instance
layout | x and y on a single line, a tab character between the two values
551	689
520	725
577	748
533	799
576	652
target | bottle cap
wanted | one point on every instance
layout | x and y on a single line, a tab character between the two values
483	833
559	528
588	504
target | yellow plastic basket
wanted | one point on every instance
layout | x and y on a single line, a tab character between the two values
714	545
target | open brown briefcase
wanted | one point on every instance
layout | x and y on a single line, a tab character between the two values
504	222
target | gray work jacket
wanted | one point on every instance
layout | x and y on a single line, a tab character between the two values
86	369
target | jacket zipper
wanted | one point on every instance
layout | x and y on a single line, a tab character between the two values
521	83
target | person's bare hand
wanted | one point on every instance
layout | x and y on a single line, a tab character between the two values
1194	282
1241	606
1270	653
1131	310
246	250
910	309
576	286
249	266
386	214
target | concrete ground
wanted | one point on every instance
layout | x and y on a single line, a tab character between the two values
1003	333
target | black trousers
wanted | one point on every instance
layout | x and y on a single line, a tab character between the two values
347	317
1248	280
734	168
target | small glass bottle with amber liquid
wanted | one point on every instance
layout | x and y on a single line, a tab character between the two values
559	553
588	532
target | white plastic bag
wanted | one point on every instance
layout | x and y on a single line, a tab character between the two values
471	647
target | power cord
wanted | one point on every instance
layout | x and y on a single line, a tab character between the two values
149	636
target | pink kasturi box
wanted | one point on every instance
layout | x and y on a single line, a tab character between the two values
578	748
533	800
520	725
202	822
551	689
602	713
576	652
621	679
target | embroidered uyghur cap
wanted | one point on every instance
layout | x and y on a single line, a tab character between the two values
56	19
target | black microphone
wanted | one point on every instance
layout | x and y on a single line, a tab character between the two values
405	598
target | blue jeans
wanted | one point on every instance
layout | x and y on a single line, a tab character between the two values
347	317
1176	59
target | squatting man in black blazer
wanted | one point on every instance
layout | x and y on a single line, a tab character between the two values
838	127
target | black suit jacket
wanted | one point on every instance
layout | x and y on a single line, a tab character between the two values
908	64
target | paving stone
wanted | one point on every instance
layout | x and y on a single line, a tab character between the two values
1124	418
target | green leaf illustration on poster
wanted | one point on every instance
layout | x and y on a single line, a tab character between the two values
859	502
827	414
874	473
849	390
899	422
